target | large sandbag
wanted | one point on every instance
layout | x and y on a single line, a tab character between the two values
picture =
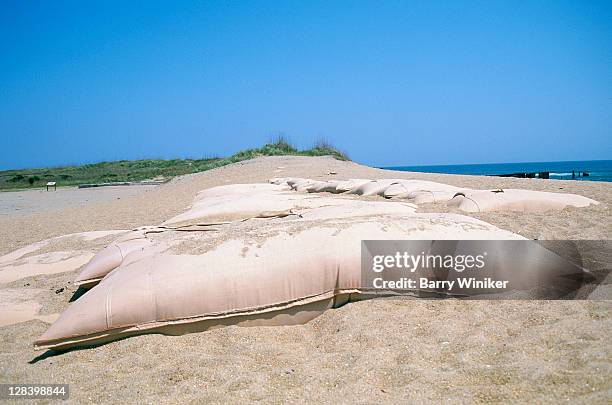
116	253
374	187
423	191
111	257
356	209
239	190
255	206
347	185
323	187
517	200
297	183
238	201
394	190
218	205
234	202
405	188
244	201
428	196
288	278
121	304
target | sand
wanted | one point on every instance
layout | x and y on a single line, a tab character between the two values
386	350
25	202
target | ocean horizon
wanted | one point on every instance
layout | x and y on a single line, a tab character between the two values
597	170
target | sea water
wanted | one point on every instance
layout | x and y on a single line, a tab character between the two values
598	170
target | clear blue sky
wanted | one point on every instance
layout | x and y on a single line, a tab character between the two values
391	83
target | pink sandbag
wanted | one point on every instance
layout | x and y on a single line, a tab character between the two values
222	192
325	208
374	187
303	185
323	187
428	196
347	185
405	189
288	278
110	258
517	200
238	202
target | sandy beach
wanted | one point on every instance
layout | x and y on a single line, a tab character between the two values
386	350
13	203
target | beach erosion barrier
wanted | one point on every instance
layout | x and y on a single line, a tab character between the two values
464	199
259	254
254	269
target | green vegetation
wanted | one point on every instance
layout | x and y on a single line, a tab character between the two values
137	170
282	147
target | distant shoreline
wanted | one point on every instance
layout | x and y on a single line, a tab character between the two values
593	170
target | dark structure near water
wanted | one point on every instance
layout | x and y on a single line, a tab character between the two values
527	175
539	175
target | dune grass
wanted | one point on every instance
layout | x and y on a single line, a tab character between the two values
138	170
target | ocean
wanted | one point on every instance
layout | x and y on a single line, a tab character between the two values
598	170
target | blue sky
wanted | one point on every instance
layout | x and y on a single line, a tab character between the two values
391	83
